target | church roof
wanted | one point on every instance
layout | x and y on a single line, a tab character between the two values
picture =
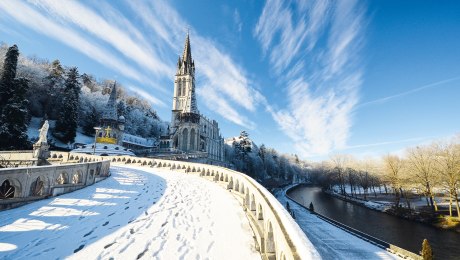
110	110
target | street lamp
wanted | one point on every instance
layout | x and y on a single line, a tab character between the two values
95	136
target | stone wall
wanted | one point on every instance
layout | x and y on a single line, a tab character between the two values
24	184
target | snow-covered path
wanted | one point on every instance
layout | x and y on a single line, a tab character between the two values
137	213
331	241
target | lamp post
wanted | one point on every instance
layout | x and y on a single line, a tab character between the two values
95	136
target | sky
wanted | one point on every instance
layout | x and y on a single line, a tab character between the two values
312	78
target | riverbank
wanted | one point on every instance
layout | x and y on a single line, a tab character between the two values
435	220
331	241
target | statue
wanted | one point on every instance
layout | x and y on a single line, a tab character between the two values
43	133
41	147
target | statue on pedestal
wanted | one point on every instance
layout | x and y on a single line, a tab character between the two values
41	147
43	133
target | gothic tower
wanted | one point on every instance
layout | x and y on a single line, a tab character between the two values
184	100
185	115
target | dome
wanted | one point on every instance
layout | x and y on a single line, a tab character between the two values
121	119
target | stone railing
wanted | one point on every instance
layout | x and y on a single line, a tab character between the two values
277	235
21	185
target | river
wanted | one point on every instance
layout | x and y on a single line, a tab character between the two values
403	233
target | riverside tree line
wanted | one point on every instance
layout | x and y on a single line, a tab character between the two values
427	170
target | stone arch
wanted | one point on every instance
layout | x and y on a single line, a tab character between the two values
184	140
62	178
7	190
173	167
237	185
216	177
183	167
77	158
260	213
193	169
242	188
54	156
71	157
77	177
60	156
119	159
269	239
114	160
222	177
246	200
192	139
253	203
159	164
124	159
37	188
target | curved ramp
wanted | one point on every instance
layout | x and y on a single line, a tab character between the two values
137	213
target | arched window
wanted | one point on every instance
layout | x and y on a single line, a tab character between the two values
6	190
184	139
184	93
179	86
192	139
37	187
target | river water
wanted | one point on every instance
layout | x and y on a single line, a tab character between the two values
403	233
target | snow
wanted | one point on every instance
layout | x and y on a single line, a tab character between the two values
103	149
331	241
132	139
137	212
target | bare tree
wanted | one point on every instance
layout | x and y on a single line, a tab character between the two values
394	175
339	164
421	165
447	159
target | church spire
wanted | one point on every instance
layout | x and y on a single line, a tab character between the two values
187	54
110	110
186	64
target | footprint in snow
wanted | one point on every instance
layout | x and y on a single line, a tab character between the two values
79	248
105	224
127	208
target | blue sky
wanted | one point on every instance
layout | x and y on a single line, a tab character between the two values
305	77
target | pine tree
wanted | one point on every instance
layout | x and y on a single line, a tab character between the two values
427	254
55	81
8	75
13	105
91	120
67	122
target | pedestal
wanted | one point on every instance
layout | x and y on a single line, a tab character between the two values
41	152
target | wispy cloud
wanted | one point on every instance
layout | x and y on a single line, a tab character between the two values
146	95
405	93
138	51
221	83
321	80
40	23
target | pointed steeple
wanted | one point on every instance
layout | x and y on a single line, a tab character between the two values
186	64
110	110
187	54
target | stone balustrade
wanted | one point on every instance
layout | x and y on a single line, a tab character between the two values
277	235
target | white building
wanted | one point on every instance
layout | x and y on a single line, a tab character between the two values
191	132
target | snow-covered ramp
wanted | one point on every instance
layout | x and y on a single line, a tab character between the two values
137	213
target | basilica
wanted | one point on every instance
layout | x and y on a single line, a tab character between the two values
190	132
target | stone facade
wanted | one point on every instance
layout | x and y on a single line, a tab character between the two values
191	132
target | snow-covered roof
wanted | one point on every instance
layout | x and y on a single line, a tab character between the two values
103	149
132	139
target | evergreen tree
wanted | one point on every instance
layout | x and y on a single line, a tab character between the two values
55	81
14	118
13	105
91	120
8	75
427	254
66	124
